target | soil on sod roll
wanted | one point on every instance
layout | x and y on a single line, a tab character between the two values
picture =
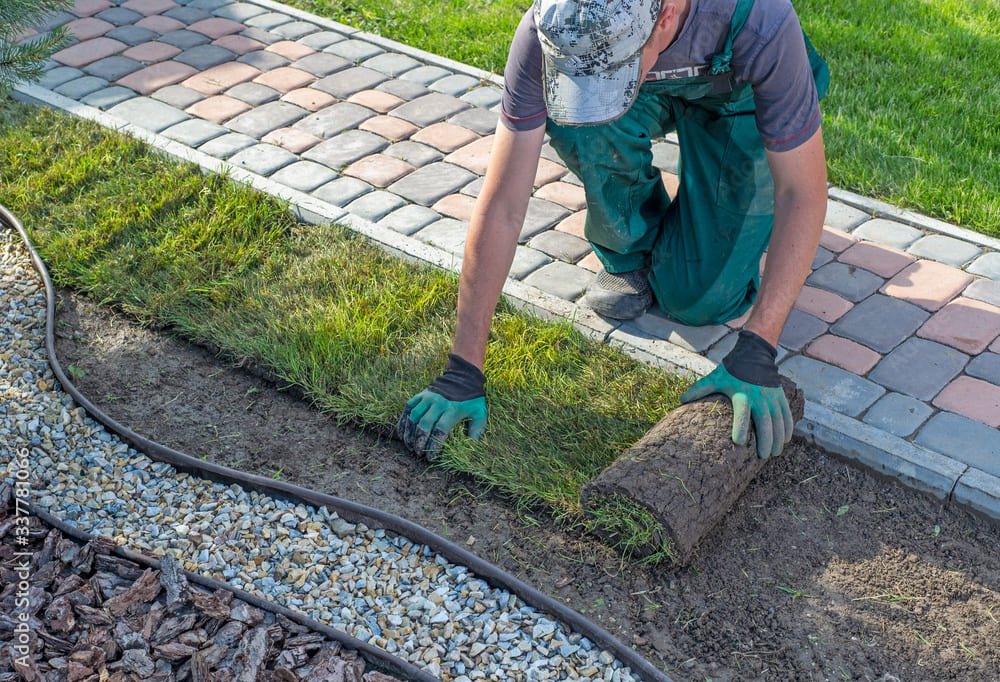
820	570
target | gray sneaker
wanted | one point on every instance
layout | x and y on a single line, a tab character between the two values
622	296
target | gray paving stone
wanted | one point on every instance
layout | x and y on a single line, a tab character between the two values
178	96
987	265
263	60
821	257
656	324
194	132
304	176
322	40
963	439
898	414
148	113
800	329
263	159
254	94
342	191
54	20
426	185
456	84
239	11
260	35
268	20
108	97
296	29
132	35
980	491
572	179
985	290
403	89
335	119
560	279
666	156
541	216
425	75
119	16
81	87
375	205
354	49
475	187
721	349
447	233
225	146
486	96
944	249
888	232
880	322
113	68
260	121
409	219
831	386
345	83
345	149
187	14
413	153
986	367
391	63
560	245
184	38
476	119
919	368
204	57
854	284
526	261
322	64
208	5
840	216
53	78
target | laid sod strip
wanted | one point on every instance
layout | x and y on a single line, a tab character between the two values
358	330
911	112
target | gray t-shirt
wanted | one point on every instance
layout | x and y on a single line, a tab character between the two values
769	53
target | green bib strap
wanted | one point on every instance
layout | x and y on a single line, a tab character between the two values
720	62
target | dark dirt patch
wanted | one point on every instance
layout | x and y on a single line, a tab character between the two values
820	571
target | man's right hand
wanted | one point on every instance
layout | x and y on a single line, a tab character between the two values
429	416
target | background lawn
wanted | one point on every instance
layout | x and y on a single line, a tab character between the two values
911	116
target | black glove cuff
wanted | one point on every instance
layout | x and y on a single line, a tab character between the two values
461	381
752	361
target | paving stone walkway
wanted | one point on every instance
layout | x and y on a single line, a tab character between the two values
894	337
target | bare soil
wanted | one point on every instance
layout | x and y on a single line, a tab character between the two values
820	571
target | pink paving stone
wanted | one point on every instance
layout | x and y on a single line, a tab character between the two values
548	171
216	27
474	155
151	52
825	305
835	240
24	35
150	7
88	8
89	51
89	27
290	49
238	44
445	137
218	109
995	346
564	194
458	206
156	76
285	79
379	170
671	182
844	353
310	99
376	100
294	140
160	24
389	127
965	324
973	398
590	262
927	283
574	224
221	77
884	261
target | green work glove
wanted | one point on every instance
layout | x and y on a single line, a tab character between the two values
749	376
429	416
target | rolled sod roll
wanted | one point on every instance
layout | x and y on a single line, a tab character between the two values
666	492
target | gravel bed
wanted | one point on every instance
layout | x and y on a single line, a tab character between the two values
378	587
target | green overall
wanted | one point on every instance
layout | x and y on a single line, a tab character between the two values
704	248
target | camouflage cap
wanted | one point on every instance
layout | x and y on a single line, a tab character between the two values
592	56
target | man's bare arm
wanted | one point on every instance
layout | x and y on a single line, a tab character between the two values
493	231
